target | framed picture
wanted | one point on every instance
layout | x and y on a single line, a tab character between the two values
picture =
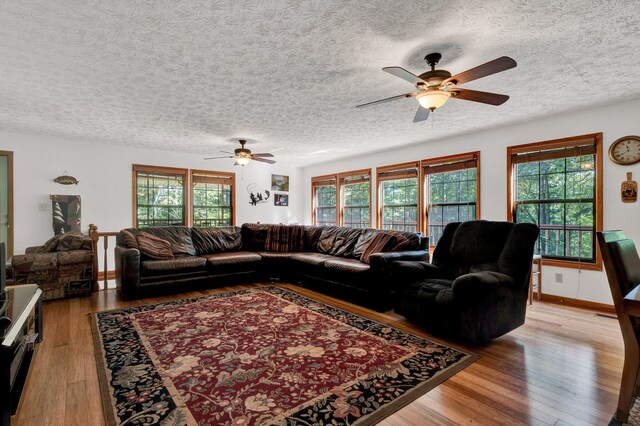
281	200
280	183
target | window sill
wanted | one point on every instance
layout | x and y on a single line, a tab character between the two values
597	266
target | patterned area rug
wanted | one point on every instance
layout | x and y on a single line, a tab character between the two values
261	356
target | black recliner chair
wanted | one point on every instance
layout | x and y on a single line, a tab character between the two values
476	287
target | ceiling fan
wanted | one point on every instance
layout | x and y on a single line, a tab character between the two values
435	87
243	155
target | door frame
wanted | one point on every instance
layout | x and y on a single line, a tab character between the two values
9	155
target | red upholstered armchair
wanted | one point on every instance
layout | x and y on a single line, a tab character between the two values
62	267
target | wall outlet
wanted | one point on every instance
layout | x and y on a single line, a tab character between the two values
43	207
559	278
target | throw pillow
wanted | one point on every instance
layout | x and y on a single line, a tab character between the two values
216	239
129	239
380	242
284	238
154	247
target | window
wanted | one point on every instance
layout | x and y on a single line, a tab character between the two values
212	198
558	186
161	197
452	191
355	198
398	197
325	200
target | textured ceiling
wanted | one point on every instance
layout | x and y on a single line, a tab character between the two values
191	76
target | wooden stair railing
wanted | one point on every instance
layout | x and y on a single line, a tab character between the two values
95	236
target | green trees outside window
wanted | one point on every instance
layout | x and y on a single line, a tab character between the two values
356	201
400	204
559	196
162	197
325	205
451	197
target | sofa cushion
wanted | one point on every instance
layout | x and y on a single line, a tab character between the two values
254	236
311	237
275	255
179	237
338	241
130	240
284	238
154	247
232	258
382	241
216	240
182	262
346	265
311	258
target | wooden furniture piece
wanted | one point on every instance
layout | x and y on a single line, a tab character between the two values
20	330
536	277
622	264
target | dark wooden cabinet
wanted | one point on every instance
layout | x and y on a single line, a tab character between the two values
20	330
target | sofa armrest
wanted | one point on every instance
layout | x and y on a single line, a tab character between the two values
478	283
33	262
383	261
406	271
127	271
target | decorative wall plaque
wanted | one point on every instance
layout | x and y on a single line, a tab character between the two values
629	190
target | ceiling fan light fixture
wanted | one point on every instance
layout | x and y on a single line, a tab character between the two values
432	99
243	160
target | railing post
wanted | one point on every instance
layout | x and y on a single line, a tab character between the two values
106	249
93	234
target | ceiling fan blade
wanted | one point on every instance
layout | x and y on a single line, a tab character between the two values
264	160
477	96
404	74
214	158
421	115
226	152
406	95
503	63
263	154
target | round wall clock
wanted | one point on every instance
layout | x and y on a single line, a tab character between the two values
625	150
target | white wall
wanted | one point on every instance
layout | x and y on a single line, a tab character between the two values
104	172
613	121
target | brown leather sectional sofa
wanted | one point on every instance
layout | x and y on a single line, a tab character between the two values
326	258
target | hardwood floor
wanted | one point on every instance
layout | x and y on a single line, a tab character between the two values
562	367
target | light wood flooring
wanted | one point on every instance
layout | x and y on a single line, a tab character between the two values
562	367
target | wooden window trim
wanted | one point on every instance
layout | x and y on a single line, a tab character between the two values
337	179
318	181
379	179
582	140
340	183
454	158
160	169
9	155
230	175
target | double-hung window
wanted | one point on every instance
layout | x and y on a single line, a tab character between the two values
160	198
212	198
452	191
325	200
558	186
398	197
355	198
165	196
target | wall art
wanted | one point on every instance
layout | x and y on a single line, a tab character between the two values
257	197
280	183
66	213
281	200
